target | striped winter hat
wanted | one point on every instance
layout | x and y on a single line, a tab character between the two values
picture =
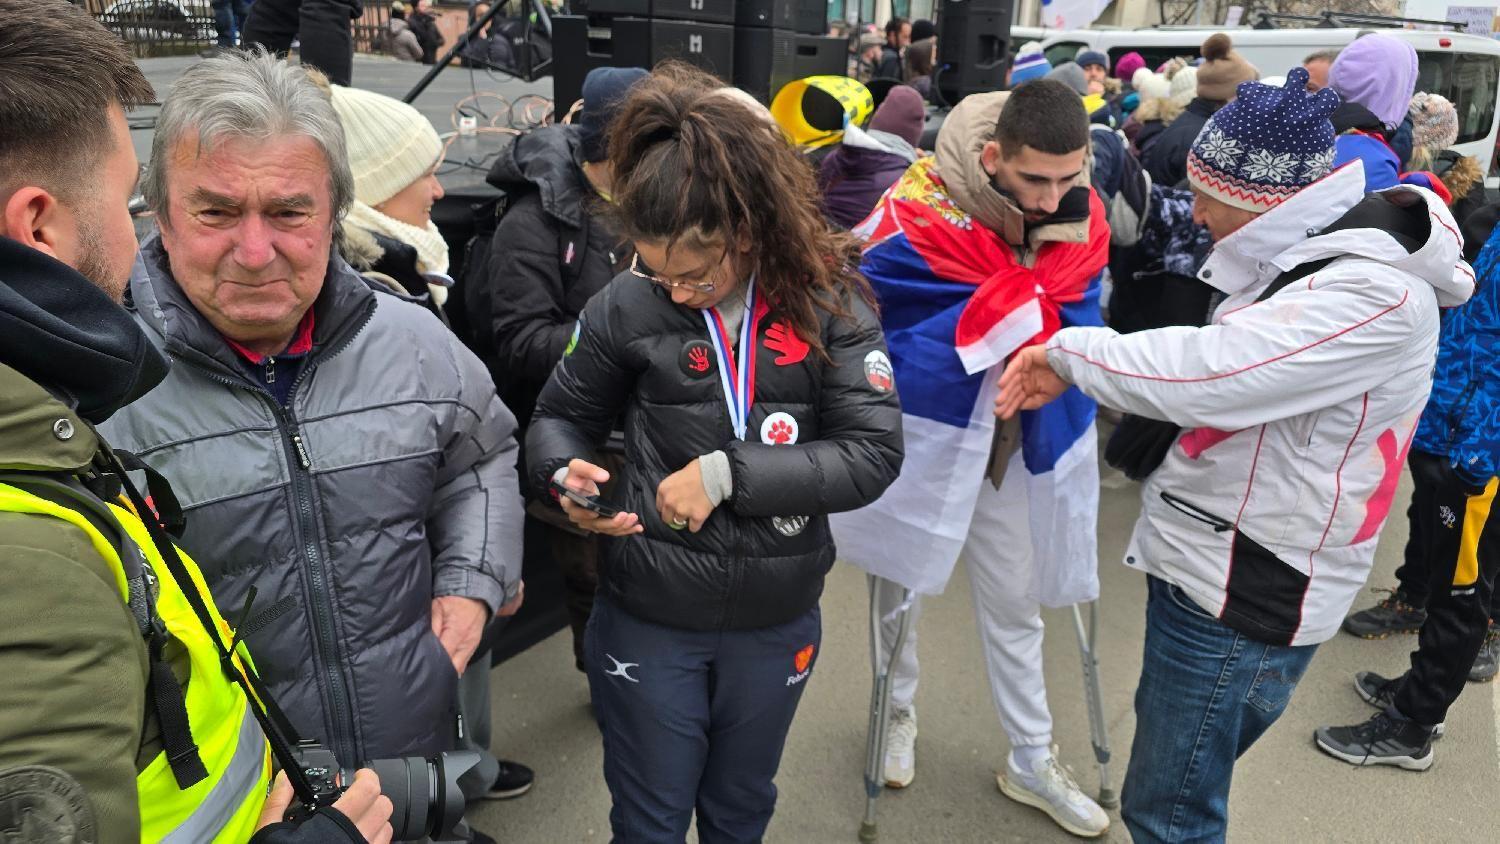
1030	63
1266	145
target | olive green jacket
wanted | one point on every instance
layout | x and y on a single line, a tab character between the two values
73	662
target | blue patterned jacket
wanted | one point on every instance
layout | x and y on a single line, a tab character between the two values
1462	419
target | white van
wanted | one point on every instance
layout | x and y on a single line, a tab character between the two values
1463	68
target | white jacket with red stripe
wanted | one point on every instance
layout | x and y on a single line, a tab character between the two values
1297	410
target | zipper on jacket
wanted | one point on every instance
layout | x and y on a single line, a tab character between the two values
271	370
1196	513
324	640
1460	409
302	460
325	645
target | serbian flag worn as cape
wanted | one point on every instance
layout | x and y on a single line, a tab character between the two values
955	305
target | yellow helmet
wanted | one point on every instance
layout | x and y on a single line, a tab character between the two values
814	111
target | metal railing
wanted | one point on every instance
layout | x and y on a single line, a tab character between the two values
157	27
183	27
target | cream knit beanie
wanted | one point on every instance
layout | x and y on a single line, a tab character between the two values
390	143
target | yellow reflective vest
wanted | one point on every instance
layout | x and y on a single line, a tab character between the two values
226	805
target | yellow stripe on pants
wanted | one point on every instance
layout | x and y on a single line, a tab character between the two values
1476	514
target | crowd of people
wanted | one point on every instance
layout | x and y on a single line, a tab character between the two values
256	490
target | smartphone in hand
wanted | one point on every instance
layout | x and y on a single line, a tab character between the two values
588	502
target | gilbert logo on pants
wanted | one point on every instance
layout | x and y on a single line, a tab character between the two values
802	662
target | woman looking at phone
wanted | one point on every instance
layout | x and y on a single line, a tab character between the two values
744	353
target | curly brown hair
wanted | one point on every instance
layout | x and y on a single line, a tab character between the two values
690	164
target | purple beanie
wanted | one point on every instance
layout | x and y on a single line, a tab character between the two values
1128	64
1378	72
902	114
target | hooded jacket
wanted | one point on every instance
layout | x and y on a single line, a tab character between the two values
1459	421
855	175
402	42
76	695
957	160
548	257
74	660
760	558
1166	156
1362	136
387	479
1297	409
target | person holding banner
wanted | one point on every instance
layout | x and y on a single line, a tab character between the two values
744	355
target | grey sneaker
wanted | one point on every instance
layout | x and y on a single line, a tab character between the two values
1048	786
1382	740
1488	661
1394	614
901	748
1380	693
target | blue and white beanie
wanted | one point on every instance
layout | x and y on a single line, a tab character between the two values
1266	145
1029	64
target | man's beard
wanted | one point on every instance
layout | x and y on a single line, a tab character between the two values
94	265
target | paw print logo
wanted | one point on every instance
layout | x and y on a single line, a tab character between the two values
781	433
779	429
698	359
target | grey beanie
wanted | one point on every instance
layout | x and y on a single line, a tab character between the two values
1071	75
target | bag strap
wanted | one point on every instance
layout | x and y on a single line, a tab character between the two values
1296	273
273	722
165	692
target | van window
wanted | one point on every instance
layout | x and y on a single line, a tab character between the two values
1435	73
1473	95
1063	51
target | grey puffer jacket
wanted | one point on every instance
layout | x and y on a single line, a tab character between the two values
388	479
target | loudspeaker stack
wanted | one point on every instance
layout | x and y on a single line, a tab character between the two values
974	48
758	45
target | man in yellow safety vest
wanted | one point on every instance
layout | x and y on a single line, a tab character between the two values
126	711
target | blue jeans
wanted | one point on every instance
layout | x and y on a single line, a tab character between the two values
1206	694
229	19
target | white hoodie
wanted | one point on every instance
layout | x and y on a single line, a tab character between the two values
1297	411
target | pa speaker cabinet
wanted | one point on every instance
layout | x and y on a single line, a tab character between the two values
974	49
764	60
805	16
632	8
821	55
707	45
575	57
707	11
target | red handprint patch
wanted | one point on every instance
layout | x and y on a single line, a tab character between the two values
783	340
697	359
778	429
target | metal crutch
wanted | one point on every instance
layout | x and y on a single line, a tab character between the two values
1098	735
880	700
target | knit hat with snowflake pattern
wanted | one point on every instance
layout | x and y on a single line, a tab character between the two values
1266	145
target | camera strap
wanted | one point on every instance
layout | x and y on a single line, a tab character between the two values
273	722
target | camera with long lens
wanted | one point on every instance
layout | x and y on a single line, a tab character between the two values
425	798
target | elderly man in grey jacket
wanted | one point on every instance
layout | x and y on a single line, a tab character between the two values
346	470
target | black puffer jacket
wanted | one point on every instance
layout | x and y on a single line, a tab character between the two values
548	257
754	563
1166	159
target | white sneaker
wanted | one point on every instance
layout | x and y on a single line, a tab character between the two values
1049	787
901	748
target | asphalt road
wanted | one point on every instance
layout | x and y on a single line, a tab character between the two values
1284	789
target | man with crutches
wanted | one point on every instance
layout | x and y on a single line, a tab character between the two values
988	246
